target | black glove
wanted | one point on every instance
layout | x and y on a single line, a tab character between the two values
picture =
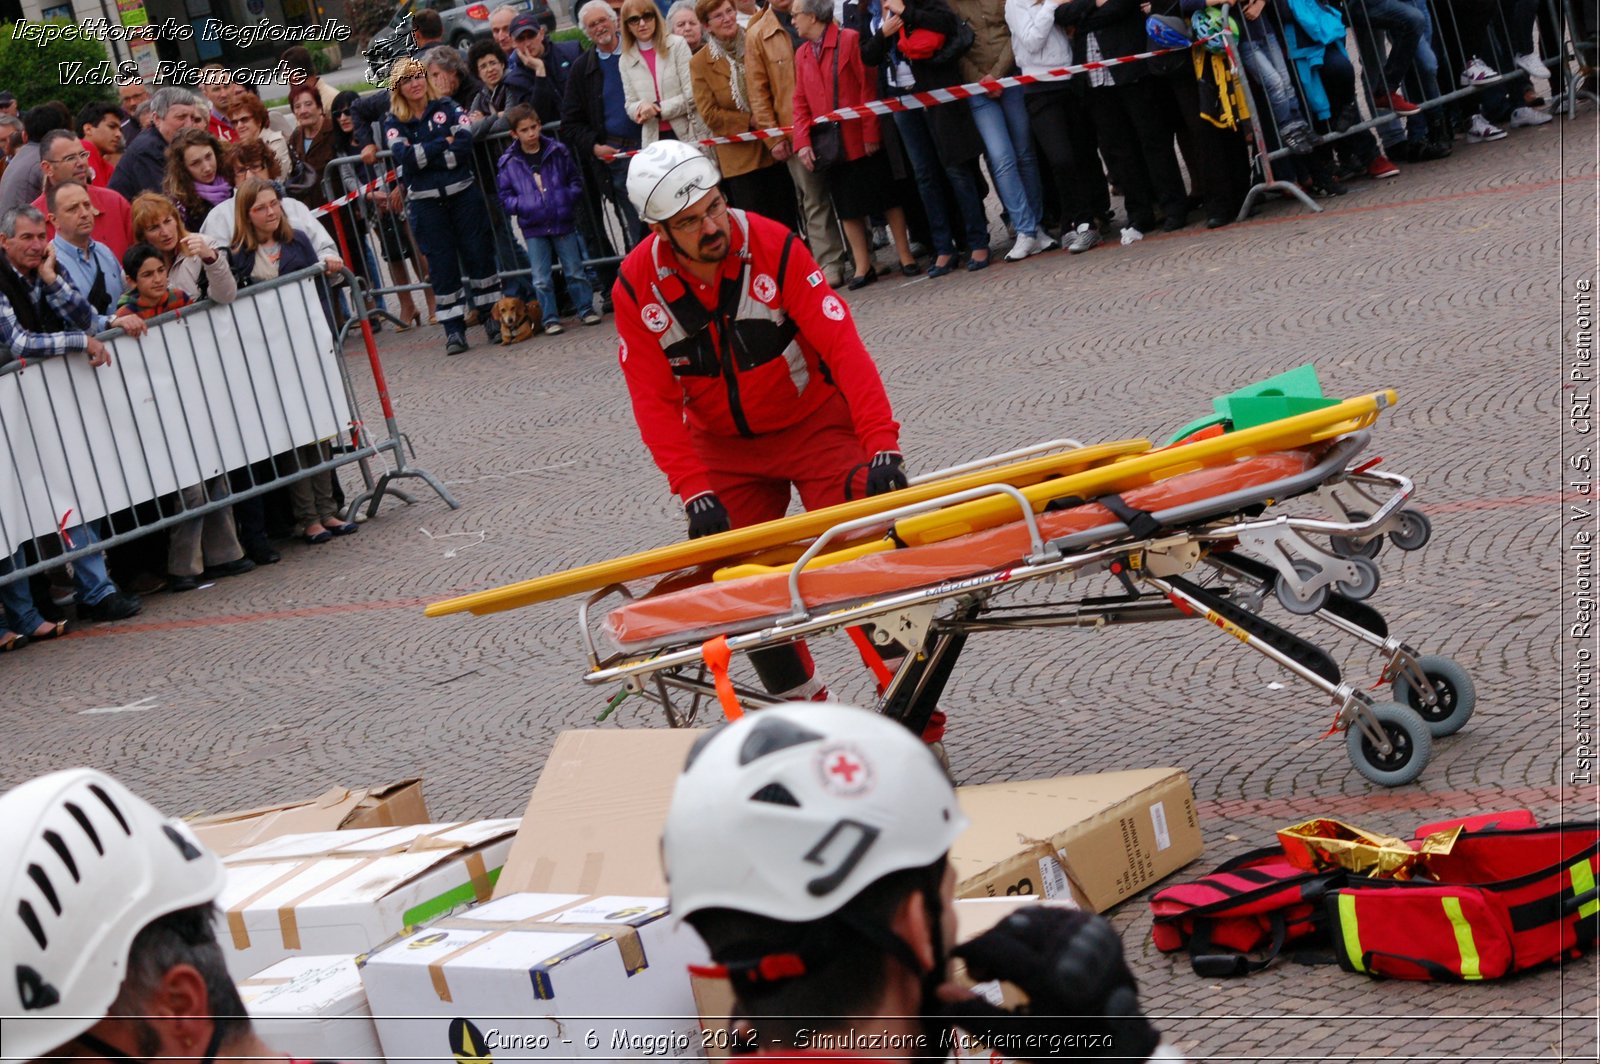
707	515
886	472
1082	999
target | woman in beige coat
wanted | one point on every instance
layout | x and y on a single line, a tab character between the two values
655	77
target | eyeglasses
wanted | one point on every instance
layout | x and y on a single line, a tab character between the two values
75	157
635	19
694	225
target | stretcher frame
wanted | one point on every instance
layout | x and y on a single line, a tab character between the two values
1388	742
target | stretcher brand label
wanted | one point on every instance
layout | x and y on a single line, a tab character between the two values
832	309
764	287
654	316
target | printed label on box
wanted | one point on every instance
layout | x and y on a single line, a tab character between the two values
1053	879
1158	817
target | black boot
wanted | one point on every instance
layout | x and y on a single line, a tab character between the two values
455	337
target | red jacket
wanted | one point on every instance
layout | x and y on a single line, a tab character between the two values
797	347
813	89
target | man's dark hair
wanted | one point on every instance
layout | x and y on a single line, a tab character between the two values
133	261
54	137
296	57
184	937
40	120
55	191
846	971
92	114
426	25
481	49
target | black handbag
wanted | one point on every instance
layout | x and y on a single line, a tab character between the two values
956	45
827	138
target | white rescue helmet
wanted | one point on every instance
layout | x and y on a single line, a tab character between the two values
668	176
84	865
792	811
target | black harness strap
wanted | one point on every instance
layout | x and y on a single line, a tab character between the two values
1140	522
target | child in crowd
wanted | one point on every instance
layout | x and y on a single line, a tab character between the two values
538	184
148	294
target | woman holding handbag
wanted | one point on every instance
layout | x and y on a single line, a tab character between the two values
829	74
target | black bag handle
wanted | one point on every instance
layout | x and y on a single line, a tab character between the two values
1226	965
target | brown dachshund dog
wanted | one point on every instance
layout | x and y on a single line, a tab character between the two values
517	319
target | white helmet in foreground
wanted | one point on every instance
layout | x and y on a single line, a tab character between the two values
668	176
792	811
84	865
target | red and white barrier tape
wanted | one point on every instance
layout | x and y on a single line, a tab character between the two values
351	197
935	97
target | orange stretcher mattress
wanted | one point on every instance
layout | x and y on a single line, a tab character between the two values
674	614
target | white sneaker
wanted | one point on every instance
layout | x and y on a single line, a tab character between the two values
1130	234
1533	66
1084	237
1527	116
1045	241
1482	130
553	328
1477	71
1024	247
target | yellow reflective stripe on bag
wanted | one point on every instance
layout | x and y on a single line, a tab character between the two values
1583	883
1470	967
1347	927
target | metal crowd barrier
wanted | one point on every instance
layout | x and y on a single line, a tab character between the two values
221	397
1431	80
360	227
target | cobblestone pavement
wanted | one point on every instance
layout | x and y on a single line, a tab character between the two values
1450	284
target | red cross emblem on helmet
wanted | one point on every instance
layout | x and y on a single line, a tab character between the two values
844	770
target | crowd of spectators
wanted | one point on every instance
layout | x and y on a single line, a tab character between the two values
509	156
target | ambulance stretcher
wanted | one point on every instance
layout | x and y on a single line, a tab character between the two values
1207	529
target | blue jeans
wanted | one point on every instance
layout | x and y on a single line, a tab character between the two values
1008	142
542	253
89	576
1405	26
1264	60
924	156
1422	83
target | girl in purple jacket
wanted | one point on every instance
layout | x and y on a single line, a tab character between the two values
539	187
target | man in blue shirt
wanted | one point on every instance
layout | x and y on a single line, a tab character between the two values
90	267
594	119
41	316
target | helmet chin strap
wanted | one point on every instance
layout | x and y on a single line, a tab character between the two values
928	980
111	1052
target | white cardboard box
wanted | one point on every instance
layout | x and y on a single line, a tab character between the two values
347	892
313	1008
534	976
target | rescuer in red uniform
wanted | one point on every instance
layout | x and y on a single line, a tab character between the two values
745	368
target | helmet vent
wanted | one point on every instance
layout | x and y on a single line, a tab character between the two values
25	910
105	799
188	849
772	734
46	888
62	852
88	828
33	991
776	794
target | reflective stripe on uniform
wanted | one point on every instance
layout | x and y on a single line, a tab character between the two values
1347	926
1470	966
1583	883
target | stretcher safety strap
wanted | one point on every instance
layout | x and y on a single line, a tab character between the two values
1139	522
1470	966
717	658
1348	928
1583	883
870	656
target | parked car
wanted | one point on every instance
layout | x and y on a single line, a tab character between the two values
465	23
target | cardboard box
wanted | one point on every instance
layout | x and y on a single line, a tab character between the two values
1097	839
534	976
313	1008
593	824
387	806
350	891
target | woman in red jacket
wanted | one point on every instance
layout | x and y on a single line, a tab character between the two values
829	74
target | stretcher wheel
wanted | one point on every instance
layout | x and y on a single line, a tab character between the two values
1291	599
1365	583
1452	686
1414	532
1408	734
1350	547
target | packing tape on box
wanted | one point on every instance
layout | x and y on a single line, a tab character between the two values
544	871
629	946
288	925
